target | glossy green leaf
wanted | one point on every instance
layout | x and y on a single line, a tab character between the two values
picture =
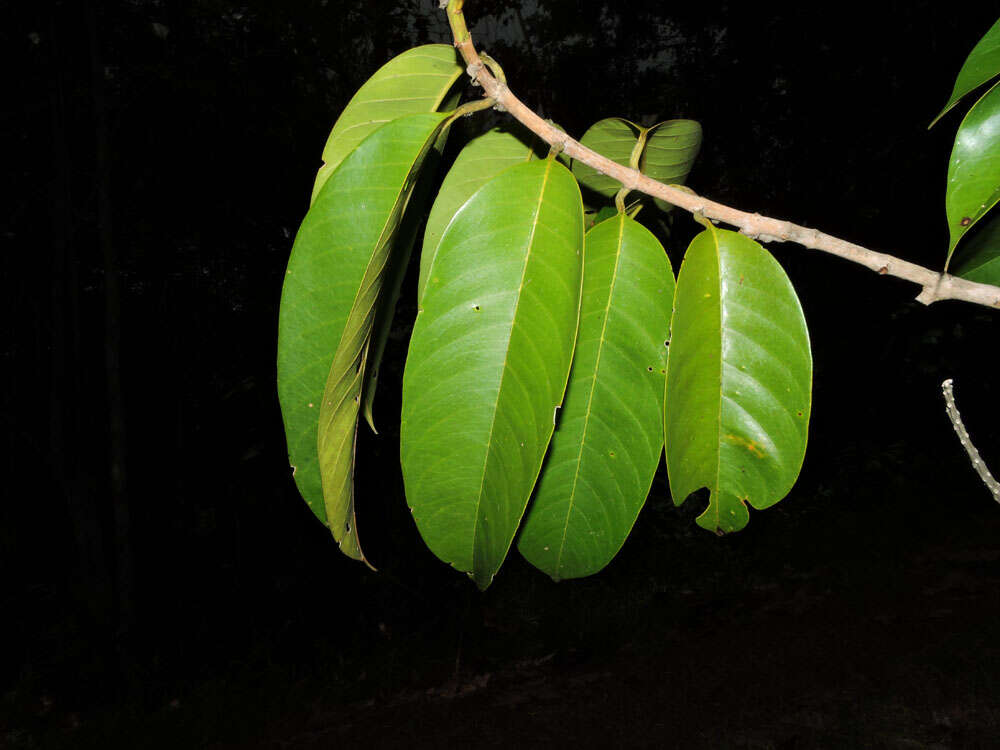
488	362
739	374
974	168
607	446
477	163
670	151
416	81
614	138
982	64
333	280
979	258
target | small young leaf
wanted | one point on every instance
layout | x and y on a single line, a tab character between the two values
974	168
982	64
327	303
614	138
607	446
416	81
739	374
979	258
488	362
671	148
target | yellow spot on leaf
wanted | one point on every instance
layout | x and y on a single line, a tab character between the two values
751	446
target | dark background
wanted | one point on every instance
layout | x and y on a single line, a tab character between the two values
164	586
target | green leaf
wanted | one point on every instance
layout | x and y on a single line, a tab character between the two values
399	261
739	374
488	362
979	259
982	64
416	81
333	280
479	161
614	138
671	148
607	446
974	168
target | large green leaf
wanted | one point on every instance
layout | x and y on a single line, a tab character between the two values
416	81
982	64
333	280
974	168
979	258
488	362
479	161
614	138
606	448
739	374
670	151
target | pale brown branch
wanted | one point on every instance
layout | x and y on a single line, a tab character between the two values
935	286
963	437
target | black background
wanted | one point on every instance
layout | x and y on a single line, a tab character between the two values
164	586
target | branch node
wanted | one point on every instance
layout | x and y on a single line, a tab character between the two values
474	70
500	91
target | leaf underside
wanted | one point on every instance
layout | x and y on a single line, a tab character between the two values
667	155
488	362
416	81
607	446
332	283
614	138
670	152
739	374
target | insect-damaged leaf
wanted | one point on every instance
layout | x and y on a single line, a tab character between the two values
974	167
333	281
416	81
739	374
607	446
488	362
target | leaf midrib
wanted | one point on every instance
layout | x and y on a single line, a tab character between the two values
503	371
590	396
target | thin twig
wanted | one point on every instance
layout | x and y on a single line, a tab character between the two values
963	437
935	286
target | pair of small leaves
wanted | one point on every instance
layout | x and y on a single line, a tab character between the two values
665	152
974	167
344	271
